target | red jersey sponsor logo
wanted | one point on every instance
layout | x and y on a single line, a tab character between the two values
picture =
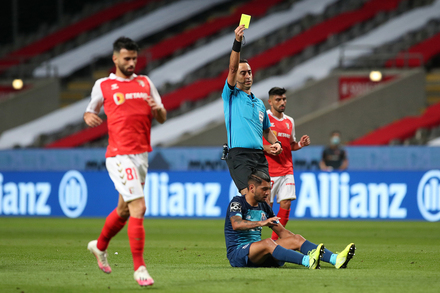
281	134
119	98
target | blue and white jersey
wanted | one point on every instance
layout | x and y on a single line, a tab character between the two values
240	207
245	118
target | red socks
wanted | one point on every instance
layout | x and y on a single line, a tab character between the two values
284	218
136	237
113	224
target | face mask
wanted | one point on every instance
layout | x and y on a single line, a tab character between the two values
335	140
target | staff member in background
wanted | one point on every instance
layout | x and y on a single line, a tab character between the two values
281	166
334	157
246	120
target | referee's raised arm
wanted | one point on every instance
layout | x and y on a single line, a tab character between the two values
234	60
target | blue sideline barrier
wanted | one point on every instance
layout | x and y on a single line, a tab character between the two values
375	158
382	195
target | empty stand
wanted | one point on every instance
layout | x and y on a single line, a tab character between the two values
402	129
154	22
427	50
165	48
315	34
295	45
296	77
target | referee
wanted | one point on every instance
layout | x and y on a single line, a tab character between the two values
246	120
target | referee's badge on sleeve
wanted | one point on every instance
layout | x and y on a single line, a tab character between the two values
261	116
235	207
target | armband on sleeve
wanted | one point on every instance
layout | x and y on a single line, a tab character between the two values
236	46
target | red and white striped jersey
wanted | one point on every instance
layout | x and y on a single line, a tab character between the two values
129	116
284	130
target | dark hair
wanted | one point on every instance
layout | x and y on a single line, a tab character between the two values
244	61
125	43
257	177
335	132
277	91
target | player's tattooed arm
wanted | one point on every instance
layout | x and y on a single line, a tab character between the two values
238	223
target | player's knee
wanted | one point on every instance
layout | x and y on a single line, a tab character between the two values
299	239
141	209
295	241
269	244
137	208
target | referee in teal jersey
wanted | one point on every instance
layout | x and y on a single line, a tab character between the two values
246	120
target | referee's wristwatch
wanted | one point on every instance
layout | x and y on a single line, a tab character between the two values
279	143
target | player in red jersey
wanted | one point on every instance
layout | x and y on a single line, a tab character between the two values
130	103
281	166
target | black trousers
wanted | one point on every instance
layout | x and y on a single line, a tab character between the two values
241	161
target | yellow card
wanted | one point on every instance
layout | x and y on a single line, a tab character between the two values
245	19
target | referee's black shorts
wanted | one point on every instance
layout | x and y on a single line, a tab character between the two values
241	161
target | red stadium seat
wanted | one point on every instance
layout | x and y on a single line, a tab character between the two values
426	49
316	34
167	47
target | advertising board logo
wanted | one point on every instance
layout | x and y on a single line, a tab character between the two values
191	199
428	195
72	194
333	195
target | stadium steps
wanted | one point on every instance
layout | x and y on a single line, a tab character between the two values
70	97
433	88
75	91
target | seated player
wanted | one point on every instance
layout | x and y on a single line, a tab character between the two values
245	217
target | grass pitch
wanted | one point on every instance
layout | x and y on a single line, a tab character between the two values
50	255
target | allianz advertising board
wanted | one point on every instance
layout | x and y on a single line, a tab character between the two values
402	195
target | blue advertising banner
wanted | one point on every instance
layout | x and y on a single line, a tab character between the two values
384	195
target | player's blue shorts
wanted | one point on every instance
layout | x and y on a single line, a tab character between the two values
240	258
